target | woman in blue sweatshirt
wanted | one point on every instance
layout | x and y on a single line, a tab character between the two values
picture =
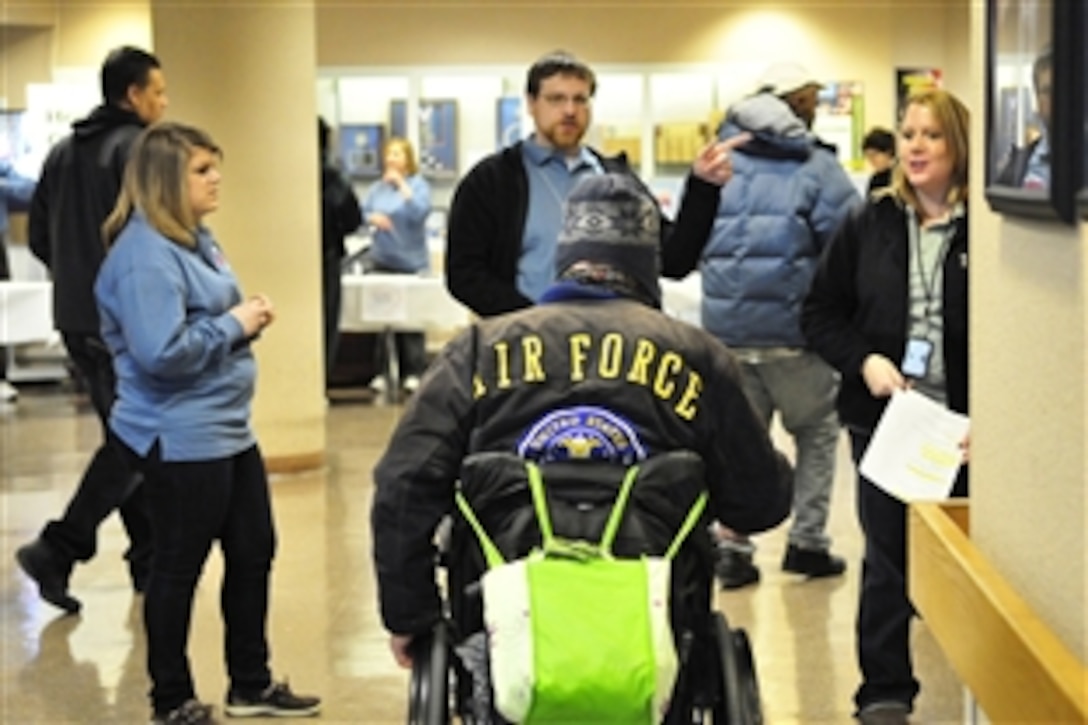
396	208
179	333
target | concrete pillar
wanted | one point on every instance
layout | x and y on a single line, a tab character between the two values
246	73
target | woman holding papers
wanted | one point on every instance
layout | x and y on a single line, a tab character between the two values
888	309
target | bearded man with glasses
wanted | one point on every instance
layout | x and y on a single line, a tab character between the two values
506	212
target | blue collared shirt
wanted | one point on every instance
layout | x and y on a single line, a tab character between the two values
16	191
551	177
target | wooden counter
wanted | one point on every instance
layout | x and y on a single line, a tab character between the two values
1013	665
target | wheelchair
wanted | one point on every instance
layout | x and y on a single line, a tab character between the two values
716	681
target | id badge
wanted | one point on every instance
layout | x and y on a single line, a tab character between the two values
916	360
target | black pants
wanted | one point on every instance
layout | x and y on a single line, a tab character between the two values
331	293
192	505
108	483
885	610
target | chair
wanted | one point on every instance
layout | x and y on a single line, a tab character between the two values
716	682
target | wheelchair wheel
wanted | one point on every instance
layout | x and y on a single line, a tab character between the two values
740	703
428	689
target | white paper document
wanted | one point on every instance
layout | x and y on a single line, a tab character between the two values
915	451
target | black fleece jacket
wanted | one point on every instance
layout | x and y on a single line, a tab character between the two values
79	184
487	219
859	303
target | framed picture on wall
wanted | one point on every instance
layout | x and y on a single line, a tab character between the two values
1082	59
1034	107
360	149
507	121
437	151
913	80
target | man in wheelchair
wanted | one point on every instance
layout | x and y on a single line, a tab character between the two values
594	373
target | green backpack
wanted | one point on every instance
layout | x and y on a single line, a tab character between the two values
576	635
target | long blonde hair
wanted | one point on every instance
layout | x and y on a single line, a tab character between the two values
955	122
156	182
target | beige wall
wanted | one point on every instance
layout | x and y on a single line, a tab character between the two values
853	40
26	55
86	31
1029	397
39	36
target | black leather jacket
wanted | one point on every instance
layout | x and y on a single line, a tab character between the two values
599	377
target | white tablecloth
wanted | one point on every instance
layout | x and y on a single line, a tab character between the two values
26	312
374	302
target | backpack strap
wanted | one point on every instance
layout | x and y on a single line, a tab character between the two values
694	513
575	549
492	555
553	545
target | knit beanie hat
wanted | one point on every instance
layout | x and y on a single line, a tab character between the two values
610	219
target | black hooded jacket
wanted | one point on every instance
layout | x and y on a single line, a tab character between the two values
77	190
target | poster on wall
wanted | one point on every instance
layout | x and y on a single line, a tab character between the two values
437	152
360	150
909	80
840	119
507	121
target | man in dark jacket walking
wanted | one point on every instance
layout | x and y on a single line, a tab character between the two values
593	371
76	192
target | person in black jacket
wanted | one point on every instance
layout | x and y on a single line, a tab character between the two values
505	214
78	187
878	147
888	309
340	216
594	370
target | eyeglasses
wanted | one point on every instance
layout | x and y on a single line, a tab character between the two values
560	100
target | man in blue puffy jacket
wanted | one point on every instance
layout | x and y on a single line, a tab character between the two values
787	195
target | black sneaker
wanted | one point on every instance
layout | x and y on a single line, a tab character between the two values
812	563
276	701
190	712
735	569
42	564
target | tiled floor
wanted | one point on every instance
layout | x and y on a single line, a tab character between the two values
324	629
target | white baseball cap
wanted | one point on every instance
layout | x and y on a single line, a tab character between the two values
787	77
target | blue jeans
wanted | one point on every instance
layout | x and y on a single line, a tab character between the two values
884	608
192	505
802	389
109	482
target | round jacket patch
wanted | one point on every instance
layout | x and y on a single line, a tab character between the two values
582	433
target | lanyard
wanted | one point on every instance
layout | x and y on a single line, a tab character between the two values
930	279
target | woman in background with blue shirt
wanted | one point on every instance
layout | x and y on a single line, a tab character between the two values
396	208
180	334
